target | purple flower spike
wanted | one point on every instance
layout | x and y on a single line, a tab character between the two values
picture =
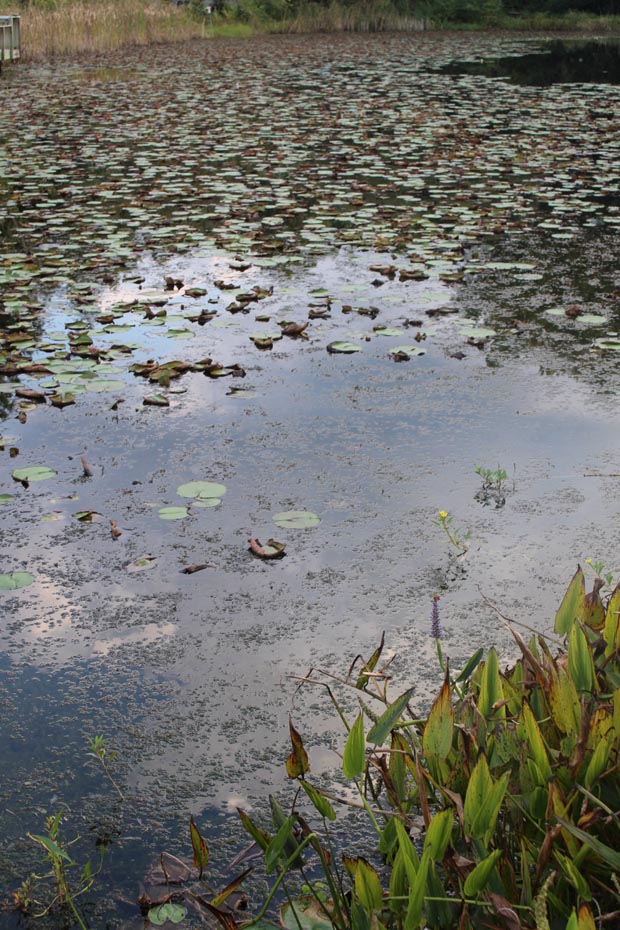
436	629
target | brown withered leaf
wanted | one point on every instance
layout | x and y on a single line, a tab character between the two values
504	910
297	763
273	549
190	569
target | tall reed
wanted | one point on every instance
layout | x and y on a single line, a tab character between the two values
83	26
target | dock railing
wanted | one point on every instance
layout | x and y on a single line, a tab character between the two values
9	38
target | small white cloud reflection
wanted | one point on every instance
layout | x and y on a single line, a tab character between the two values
145	635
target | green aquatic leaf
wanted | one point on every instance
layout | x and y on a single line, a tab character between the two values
171	911
202	491
15	580
343	348
33	473
173	513
296	519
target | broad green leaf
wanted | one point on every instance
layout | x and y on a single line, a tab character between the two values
438	834
573	604
388	719
565	703
199	846
574	875
259	836
611	630
477	879
580	663
278	843
600	760
367	886
483	799
491	691
439	727
354	758
470	665
320	802
536	743
416	895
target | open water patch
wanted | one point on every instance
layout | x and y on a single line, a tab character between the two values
555	62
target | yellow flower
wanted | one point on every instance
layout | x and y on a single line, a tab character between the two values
588	561
443	514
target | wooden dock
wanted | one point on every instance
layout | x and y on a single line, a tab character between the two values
9	38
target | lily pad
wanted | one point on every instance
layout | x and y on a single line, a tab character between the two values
5	498
171	911
33	473
407	350
296	519
343	348
173	513
202	490
15	580
304	914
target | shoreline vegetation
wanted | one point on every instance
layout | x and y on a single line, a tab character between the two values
65	28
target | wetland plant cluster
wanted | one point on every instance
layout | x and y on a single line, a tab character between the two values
496	809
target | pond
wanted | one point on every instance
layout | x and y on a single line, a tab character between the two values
246	212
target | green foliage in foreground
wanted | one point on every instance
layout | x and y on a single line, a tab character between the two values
499	809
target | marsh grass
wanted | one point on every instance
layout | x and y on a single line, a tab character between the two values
86	26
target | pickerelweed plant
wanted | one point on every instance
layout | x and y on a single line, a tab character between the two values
499	808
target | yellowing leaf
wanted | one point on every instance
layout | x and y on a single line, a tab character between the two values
367	886
439	727
573	604
199	846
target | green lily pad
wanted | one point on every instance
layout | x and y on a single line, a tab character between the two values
343	348
202	490
407	350
173	513
15	580
296	519
171	911
33	473
5	498
205	502
476	332
388	331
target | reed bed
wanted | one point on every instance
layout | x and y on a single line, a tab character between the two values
88	26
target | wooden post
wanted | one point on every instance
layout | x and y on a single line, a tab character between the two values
9	38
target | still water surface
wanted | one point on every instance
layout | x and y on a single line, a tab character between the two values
310	173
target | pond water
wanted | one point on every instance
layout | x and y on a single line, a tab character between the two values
554	62
171	204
